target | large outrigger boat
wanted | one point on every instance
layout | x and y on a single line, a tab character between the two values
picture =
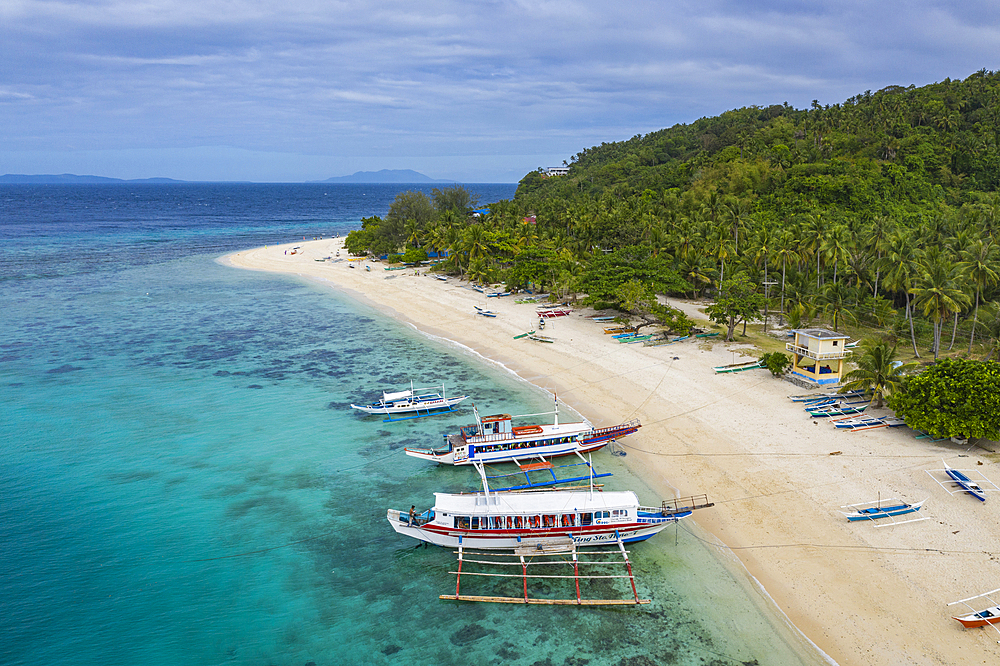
494	439
505	520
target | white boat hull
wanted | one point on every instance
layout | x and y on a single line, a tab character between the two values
505	541
410	407
508	519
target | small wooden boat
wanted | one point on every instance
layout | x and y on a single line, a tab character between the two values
982	618
739	367
853	423
837	409
541	338
602	318
706	335
965	483
484	313
878	510
523	335
615	330
554	313
812	397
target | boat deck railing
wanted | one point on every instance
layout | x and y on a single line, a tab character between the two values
805	351
679	505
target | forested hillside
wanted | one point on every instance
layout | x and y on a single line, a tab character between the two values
860	213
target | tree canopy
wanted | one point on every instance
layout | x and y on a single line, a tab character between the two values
953	398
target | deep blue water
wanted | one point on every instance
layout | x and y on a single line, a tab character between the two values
183	482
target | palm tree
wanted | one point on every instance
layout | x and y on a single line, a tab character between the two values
785	248
938	293
835	299
878	372
979	262
900	264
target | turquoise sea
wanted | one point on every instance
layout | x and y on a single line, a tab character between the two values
182	480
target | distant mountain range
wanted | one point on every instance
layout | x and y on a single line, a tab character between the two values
385	176
70	178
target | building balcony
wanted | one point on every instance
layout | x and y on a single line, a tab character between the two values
805	351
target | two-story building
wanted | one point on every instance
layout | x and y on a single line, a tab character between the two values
818	355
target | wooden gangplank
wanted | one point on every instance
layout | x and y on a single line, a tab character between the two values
541	553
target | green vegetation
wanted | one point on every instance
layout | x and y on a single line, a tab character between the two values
879	214
953	398
878	371
777	362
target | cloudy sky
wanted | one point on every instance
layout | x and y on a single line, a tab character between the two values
477	90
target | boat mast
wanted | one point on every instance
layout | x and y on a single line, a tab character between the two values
555	402
479	421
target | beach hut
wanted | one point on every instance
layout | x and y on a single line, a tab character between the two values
818	355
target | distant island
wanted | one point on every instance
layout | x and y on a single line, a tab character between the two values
385	176
73	179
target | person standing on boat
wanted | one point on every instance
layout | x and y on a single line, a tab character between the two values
413	514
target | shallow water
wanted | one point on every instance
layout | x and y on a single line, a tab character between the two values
182	479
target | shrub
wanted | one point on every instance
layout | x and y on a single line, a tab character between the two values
776	362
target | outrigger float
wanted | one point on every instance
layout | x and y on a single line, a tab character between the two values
412	401
494	439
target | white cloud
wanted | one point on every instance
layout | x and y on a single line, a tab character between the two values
446	77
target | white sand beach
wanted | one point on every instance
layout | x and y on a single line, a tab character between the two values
863	594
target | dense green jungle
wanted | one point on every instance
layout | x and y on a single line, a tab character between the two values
877	216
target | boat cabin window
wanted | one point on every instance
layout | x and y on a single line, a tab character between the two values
475	522
586	519
569	520
496	523
518	522
619	513
549	521
462	522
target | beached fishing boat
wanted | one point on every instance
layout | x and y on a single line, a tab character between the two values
982	618
485	313
965	483
412	401
548	314
813	397
852	423
880	509
541	338
524	335
837	409
616	330
739	367
494	439
536	518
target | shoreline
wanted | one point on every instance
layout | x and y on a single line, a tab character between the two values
860	595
